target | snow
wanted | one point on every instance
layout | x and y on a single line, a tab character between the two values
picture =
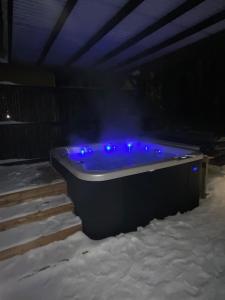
23	177
180	257
11	122
12	160
8	83
28	232
37	205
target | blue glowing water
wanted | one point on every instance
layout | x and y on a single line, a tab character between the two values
114	156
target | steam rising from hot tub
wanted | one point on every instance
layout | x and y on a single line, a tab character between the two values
117	116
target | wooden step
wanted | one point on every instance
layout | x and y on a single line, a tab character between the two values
39	242
21	239
32	211
16	197
24	182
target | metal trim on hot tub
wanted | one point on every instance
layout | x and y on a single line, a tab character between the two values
76	169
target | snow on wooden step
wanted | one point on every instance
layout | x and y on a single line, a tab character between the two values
33	193
31	207
24	177
28	232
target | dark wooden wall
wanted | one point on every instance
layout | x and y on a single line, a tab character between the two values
26	75
44	118
184	89
187	88
34	125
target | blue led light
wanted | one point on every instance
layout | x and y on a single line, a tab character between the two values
82	151
129	146
157	151
108	148
194	169
147	148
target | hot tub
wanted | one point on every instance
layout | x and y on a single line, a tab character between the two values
119	186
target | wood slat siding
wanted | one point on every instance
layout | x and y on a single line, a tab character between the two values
1	31
34	193
29	141
51	116
29	104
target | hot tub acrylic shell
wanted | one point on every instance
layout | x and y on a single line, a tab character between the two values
109	206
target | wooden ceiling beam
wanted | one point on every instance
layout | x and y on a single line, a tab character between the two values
177	12
56	29
120	15
178	37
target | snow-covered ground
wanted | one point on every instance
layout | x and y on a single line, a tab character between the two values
11	160
22	177
181	257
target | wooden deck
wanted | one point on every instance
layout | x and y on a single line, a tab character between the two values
31	193
34	209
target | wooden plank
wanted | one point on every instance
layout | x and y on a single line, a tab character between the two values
115	20
41	241
37	216
34	193
146	32
25	161
1	31
204	177
216	18
30	207
70	4
10	30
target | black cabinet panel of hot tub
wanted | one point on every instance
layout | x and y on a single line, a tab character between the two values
110	207
101	207
159	194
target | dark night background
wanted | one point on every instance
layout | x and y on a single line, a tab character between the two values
180	92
